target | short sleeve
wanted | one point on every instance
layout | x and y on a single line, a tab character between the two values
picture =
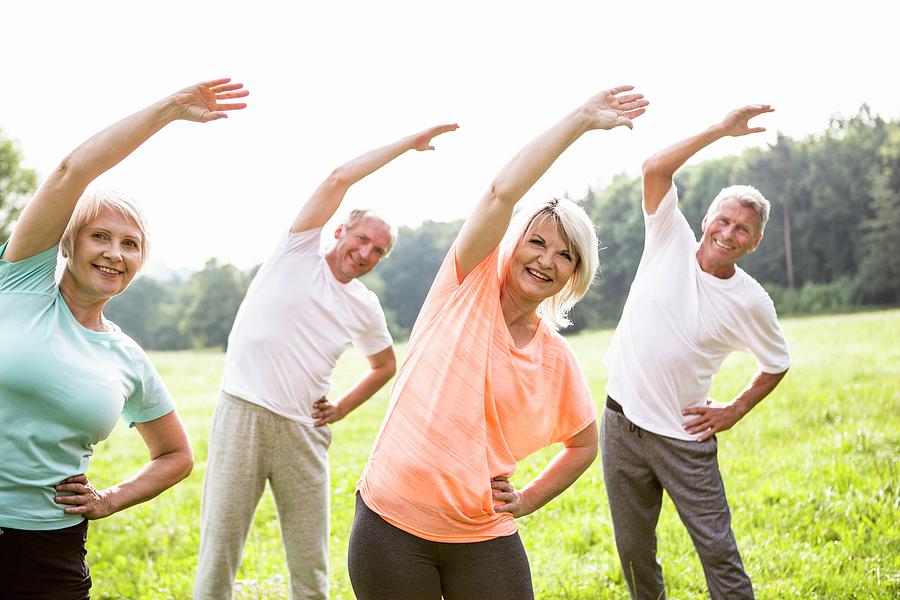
150	400
35	274
303	242
576	409
666	230
764	337
376	337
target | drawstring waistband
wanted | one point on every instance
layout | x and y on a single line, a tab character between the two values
616	407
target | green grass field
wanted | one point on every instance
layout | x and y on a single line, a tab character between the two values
811	474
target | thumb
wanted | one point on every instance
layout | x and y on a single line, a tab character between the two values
620	120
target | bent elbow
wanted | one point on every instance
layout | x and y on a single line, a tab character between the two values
186	465
338	178
651	167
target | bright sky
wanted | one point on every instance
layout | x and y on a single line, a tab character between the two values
330	80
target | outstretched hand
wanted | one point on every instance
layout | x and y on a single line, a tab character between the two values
736	123
613	107
422	141
202	102
85	499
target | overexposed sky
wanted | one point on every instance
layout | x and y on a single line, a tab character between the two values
330	80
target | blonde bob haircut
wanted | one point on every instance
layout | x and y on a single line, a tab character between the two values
89	207
578	231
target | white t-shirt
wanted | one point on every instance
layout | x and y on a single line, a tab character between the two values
680	323
294	323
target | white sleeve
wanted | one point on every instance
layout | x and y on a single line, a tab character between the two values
764	338
376	337
667	226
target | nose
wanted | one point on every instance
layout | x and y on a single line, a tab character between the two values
545	260
364	251
112	252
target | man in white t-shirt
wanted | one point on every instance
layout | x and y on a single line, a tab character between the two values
300	313
689	307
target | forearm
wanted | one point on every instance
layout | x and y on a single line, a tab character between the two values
45	217
366	164
760	386
563	470
532	161
158	475
364	389
666	162
327	198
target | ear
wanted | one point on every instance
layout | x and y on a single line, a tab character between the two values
703	223
756	245
339	232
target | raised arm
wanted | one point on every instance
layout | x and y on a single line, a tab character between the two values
485	227
660	168
45	217
325	201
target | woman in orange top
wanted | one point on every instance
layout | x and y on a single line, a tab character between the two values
487	381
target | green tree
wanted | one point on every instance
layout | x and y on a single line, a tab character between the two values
212	297
880	268
138	310
403	279
17	184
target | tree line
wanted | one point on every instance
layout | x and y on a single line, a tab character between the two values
832	242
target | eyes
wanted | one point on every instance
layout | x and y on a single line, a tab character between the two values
364	239
539	243
128	242
725	222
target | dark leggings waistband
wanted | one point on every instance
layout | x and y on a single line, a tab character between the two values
614	406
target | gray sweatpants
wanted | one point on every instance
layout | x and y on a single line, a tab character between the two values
249	445
637	467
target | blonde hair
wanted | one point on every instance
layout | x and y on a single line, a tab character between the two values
89	207
578	230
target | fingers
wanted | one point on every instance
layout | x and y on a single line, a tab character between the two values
439	129
75	479
619	89
632	102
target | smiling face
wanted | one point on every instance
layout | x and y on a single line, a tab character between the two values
106	255
729	234
542	263
358	249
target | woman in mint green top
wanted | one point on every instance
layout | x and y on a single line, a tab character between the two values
67	373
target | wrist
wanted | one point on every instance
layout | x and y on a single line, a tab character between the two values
168	109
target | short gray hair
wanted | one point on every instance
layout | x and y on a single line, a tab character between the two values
358	214
579	232
748	196
89	207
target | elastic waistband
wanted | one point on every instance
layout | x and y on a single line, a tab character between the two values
614	406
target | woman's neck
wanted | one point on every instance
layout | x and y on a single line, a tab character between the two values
520	316
87	311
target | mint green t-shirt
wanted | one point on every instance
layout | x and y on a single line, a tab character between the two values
62	389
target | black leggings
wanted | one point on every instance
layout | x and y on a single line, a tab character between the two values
387	563
44	564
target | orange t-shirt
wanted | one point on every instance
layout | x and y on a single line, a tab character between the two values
466	406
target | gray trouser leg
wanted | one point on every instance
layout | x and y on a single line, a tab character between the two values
636	464
635	499
695	485
300	487
236	472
